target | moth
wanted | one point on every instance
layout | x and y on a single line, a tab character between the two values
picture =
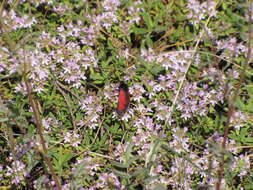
123	99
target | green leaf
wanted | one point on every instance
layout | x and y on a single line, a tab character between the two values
147	19
160	28
120	165
140	30
60	160
156	69
122	174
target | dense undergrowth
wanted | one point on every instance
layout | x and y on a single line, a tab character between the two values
188	65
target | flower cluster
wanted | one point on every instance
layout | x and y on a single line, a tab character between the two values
17	171
12	21
73	60
146	131
49	123
196	101
108	17
193	99
89	164
92	107
72	138
108	181
199	11
239	119
231	48
134	11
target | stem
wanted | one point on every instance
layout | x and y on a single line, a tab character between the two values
187	69
39	128
231	107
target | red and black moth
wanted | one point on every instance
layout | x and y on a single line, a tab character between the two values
123	99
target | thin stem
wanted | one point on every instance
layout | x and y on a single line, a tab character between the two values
187	69
231	107
39	128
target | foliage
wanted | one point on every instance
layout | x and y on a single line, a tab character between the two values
188	65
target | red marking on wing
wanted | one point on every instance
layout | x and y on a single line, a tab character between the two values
123	101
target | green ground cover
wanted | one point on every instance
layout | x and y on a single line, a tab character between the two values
188	66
